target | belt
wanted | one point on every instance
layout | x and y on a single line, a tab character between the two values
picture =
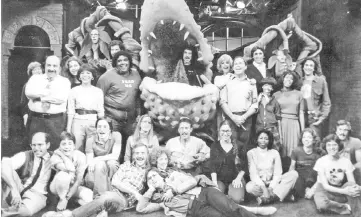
239	113
85	112
289	116
119	109
46	115
190	204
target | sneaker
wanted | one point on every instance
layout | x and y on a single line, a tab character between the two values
262	200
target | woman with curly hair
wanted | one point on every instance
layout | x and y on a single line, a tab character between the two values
72	67
303	158
143	133
292	112
268	183
228	164
160	158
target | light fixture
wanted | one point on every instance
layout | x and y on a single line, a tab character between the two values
240	4
121	6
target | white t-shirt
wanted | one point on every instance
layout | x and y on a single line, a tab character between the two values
332	168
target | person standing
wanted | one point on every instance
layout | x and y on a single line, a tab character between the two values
48	94
238	100
85	106
315	92
120	86
292	112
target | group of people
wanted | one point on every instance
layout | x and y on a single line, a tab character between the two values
84	148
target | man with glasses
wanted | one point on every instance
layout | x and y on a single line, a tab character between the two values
187	152
25	178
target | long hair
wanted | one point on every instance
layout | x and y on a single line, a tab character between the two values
67	71
316	140
295	83
138	145
332	137
240	158
136	135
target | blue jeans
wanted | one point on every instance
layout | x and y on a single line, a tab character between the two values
110	201
213	203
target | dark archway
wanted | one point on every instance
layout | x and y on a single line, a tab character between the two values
31	43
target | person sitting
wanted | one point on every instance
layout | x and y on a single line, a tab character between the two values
143	133
303	158
102	154
85	105
187	151
25	178
128	186
177	193
228	164
336	190
70	165
265	169
351	147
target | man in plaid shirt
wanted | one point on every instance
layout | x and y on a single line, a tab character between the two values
128	185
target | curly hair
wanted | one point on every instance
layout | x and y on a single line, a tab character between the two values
224	58
122	53
89	68
295	82
316	72
316	138
156	153
270	137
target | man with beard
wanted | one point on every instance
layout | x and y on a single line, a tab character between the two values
187	152
351	147
48	95
128	185
194	78
25	178
336	190
120	86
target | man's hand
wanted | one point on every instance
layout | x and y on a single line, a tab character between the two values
199	158
167	196
16	198
316	123
352	191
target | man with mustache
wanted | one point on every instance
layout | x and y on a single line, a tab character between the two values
25	178
352	147
48	95
187	152
128	185
194	78
120	86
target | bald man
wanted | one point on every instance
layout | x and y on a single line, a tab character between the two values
48	94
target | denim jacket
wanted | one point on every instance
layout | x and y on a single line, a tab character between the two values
320	98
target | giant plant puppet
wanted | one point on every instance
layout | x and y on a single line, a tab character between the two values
167	27
109	28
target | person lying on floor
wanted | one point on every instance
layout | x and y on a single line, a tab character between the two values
177	193
128	185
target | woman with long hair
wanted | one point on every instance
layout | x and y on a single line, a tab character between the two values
72	66
303	158
143	133
292	112
228	164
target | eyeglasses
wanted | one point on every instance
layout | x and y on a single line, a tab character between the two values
339	170
226	131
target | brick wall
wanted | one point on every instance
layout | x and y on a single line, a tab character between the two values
341	57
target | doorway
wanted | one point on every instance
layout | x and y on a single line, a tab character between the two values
31	44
